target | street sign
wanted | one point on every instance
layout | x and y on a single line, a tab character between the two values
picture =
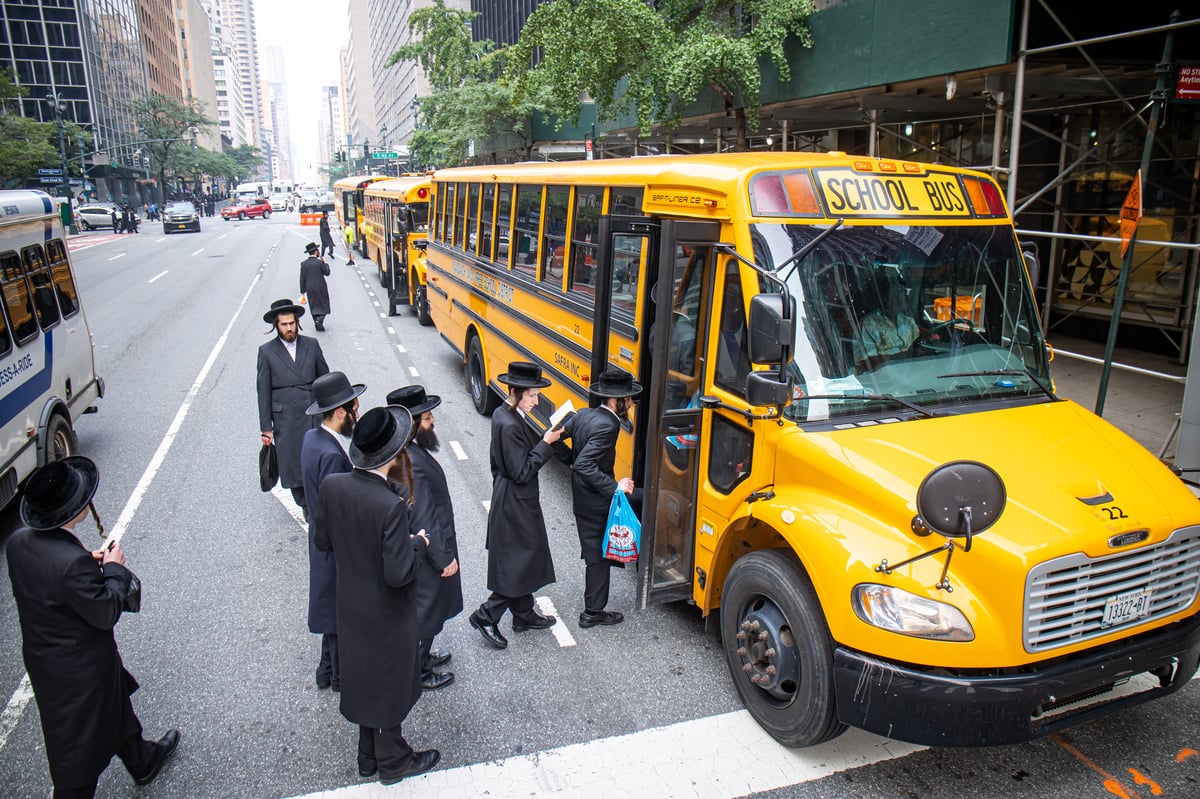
1187	82
44	171
1131	212
50	181
385	154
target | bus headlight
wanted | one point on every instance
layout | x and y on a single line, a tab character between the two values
902	612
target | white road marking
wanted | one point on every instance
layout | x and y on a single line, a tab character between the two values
376	304
391	331
458	450
156	277
412	370
14	709
561	633
370	293
223	235
711	758
160	241
400	348
284	495
382	315
197	252
118	255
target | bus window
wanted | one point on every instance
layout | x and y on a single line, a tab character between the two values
472	216
460	216
64	283
5	338
733	362
628	256
486	220
43	287
625	202
529	216
419	212
686	312
440	215
583	237
17	298
730	456
504	226
554	241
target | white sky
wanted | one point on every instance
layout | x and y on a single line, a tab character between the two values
311	32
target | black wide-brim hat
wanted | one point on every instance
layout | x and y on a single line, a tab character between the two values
282	306
522	374
57	492
379	435
312	246
332	390
615	382
415	399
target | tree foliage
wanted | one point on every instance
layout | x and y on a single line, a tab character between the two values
165	128
246	158
27	145
653	62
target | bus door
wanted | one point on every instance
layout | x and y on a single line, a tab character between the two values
673	384
395	251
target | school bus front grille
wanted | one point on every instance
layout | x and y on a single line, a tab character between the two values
1065	598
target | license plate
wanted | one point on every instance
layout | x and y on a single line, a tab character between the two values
1126	607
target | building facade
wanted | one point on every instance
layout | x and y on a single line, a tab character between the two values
196	67
160	45
358	75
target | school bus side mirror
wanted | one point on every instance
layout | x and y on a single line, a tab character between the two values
771	332
764	389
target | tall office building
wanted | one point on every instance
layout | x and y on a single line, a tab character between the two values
331	124
240	19
276	118
501	20
231	111
358	76
196	66
159	43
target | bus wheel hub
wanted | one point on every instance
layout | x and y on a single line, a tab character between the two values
767	649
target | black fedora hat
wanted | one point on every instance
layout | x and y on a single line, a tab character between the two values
522	374
415	399
282	306
332	390
615	382
311	247
57	492
380	435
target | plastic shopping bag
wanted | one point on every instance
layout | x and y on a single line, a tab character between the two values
623	534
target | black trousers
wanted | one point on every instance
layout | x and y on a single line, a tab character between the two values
521	606
329	666
137	755
595	585
325	246
385	748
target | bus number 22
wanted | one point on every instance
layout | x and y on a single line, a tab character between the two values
1114	512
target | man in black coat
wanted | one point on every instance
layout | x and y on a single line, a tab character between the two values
519	560
287	366
365	524
439	585
313	271
326	235
593	433
323	453
69	600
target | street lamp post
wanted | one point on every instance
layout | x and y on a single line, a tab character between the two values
56	103
412	152
192	131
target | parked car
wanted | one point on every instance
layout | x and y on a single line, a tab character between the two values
247	209
180	216
316	202
96	215
280	202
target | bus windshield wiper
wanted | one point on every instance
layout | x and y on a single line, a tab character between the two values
912	406
1037	381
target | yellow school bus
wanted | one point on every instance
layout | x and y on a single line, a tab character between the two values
849	439
348	202
396	220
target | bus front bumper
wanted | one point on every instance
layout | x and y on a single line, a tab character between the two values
941	709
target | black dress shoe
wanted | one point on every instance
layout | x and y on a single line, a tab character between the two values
162	750
590	619
367	768
323	682
421	762
538	622
437	679
438	658
489	631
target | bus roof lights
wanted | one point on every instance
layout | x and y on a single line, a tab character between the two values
984	197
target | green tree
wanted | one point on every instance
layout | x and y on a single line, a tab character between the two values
26	144
654	61
166	127
247	159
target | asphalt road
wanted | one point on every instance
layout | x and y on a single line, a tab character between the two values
221	647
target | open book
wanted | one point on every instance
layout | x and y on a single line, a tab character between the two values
560	415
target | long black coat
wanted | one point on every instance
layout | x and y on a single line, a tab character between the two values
284	394
313	272
593	433
438	598
519	560
320	456
326	234
68	605
365	525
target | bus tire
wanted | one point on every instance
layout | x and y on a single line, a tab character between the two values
60	439
421	306
767	592
482	395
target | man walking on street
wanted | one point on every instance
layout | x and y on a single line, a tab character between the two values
326	235
68	601
593	433
323	453
365	525
439	585
313	271
287	366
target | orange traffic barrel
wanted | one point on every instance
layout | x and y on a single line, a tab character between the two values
310	219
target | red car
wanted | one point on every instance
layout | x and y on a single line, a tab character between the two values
243	209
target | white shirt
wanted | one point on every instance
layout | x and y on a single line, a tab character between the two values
290	346
341	439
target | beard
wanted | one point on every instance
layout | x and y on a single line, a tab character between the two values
348	425
291	335
427	439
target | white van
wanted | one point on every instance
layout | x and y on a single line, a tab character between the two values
47	368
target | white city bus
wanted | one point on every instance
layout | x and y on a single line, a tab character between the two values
47	369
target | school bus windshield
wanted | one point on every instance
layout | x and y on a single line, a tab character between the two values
938	316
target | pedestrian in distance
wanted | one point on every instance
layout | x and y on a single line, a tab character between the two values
348	237
313	271
365	524
593	433
116	220
287	366
519	559
325	451
439	584
68	602
326	235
